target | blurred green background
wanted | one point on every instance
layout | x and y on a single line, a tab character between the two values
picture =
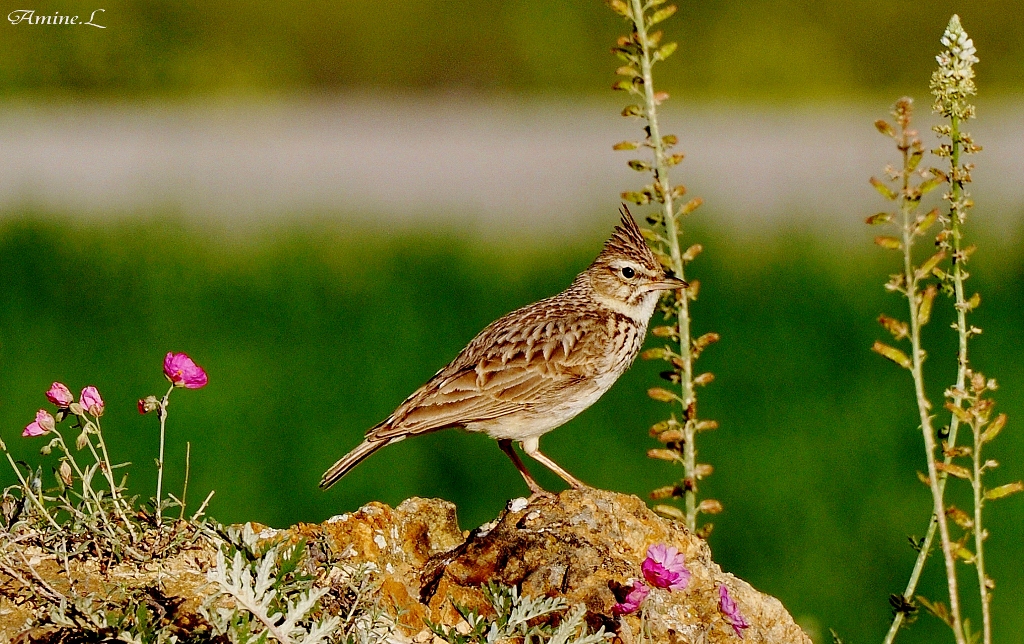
313	328
774	49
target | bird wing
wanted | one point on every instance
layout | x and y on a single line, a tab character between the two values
522	358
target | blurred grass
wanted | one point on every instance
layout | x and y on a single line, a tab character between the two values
749	49
313	333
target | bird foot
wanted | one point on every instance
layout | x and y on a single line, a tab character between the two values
541	494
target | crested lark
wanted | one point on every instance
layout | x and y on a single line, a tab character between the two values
539	366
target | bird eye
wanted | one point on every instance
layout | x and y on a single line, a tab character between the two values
628	272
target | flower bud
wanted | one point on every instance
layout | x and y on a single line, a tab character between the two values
653	354
704	379
692	252
667	492
710	506
664	331
671	436
60	395
65	473
45	421
91	401
660	394
657	428
42	424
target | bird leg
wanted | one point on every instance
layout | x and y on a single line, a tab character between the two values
535	488
532	447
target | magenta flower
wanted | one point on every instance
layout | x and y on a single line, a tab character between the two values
636	596
60	395
731	612
664	568
91	401
182	372
43	423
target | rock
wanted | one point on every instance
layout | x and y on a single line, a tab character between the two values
398	542
585	543
582	545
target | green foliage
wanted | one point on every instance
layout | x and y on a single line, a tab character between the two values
521	617
271	596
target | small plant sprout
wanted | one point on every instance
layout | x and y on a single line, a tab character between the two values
944	270
180	371
640	51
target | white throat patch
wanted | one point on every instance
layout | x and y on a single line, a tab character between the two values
641	312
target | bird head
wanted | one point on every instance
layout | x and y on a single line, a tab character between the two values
626	275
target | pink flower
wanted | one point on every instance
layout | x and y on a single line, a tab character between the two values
664	567
732	612
60	395
182	372
91	401
43	423
636	596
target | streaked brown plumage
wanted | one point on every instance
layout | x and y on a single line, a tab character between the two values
539	366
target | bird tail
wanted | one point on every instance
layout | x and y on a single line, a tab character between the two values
350	460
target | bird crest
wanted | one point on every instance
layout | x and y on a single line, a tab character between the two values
627	241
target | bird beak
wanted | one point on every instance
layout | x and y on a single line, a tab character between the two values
669	283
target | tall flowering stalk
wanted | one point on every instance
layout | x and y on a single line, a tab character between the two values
641	50
952	84
910	282
180	371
